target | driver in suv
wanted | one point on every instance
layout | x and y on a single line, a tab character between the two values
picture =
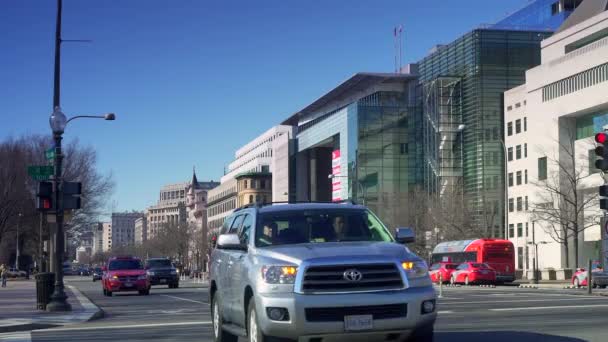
317	272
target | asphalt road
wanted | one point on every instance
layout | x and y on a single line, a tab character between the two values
465	314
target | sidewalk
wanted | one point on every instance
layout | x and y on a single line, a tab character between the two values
18	308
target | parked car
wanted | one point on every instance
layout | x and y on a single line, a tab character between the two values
97	273
84	271
161	271
473	273
15	273
316	271
599	277
442	270
125	273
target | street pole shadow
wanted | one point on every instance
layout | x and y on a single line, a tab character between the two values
501	336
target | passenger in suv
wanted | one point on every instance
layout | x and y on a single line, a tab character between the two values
125	274
317	272
162	272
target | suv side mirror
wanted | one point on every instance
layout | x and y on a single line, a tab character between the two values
405	235
231	242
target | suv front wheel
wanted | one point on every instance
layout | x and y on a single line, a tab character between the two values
219	335
254	332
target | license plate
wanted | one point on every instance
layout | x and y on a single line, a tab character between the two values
128	284
358	322
163	281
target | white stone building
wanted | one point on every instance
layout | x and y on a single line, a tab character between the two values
141	230
563	103
107	236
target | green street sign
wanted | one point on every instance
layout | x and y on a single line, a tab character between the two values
50	154
40	173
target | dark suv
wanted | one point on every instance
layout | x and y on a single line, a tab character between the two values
162	272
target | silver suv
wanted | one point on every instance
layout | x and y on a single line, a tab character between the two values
317	272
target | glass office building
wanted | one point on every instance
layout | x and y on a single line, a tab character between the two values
360	141
462	85
539	15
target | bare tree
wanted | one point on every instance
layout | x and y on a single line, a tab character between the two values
17	190
562	203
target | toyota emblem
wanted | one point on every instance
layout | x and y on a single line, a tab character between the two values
352	275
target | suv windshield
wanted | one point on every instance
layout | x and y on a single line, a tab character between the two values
125	265
318	226
159	263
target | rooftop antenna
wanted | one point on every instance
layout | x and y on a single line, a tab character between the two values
395	47
400	48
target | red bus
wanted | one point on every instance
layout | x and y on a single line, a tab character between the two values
499	254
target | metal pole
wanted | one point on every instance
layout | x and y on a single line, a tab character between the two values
535	261
40	256
440	286
18	251
59	298
589	277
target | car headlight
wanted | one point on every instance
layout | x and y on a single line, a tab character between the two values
415	269
142	277
150	273
279	274
115	277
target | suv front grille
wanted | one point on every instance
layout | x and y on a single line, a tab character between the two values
332	279
127	278
337	314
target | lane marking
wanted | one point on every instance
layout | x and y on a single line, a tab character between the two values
445	312
552	307
24	336
185	299
520	301
133	326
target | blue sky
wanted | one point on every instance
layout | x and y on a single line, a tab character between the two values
191	81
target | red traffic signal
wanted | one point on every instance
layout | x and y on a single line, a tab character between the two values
601	138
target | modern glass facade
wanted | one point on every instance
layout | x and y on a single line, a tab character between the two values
477	68
539	15
389	155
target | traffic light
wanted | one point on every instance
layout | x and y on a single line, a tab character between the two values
601	151
71	195
603	195
44	196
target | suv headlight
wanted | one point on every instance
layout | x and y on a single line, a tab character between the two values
279	274
415	269
150	273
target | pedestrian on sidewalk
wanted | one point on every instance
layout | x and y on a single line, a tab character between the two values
3	274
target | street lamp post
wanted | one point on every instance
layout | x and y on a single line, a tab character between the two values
18	250
535	261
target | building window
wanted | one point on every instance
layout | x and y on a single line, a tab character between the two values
520	204
510	154
525	124
526	176
511	232
257	198
517	126
518	152
526	150
510	128
511	205
250	198
527	258
520	229
518	178
526	229
526	203
520	258
262	184
511	179
542	168
245	184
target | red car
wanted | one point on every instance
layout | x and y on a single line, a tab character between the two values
442	270
473	273
125	274
580	276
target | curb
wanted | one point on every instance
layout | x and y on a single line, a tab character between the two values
90	312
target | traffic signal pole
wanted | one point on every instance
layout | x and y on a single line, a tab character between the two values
59	298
